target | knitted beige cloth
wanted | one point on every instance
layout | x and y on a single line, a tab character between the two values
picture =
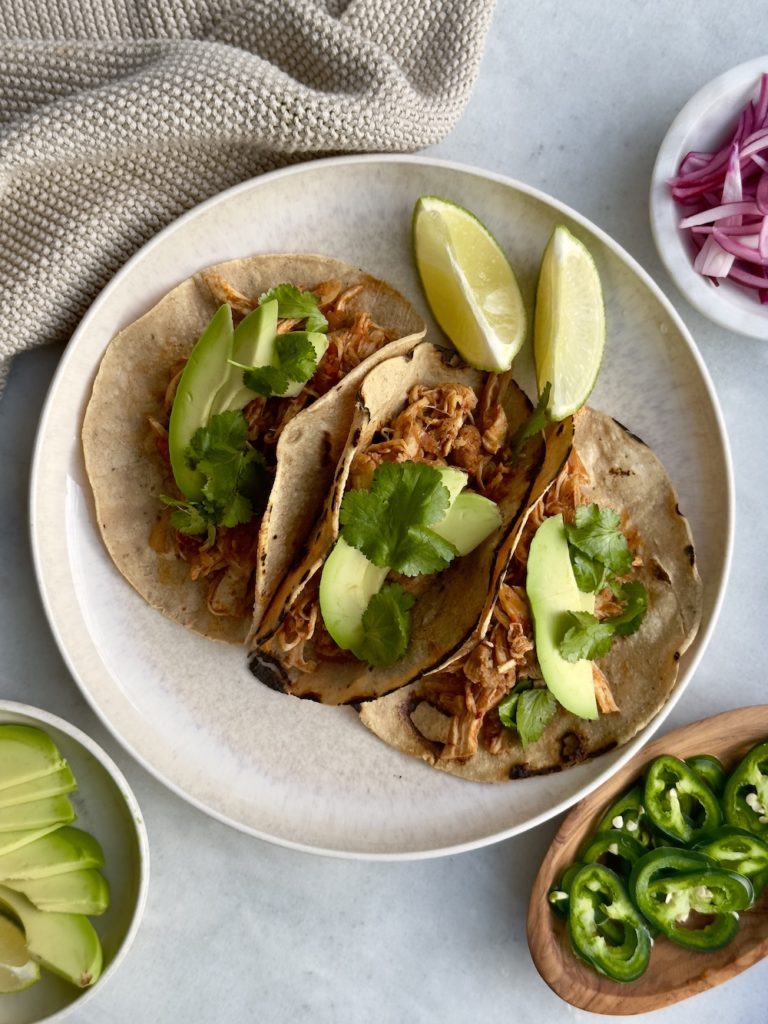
116	116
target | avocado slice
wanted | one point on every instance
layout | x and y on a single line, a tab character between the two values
470	519
52	810
206	371
26	753
552	593
455	480
65	849
253	344
73	892
66	944
62	781
347	584
10	841
17	968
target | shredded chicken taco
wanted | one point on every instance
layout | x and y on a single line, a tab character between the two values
434	479
632	608
216	423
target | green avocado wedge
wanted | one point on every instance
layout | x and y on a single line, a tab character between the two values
65	849
347	585
73	892
51	810
470	519
253	344
26	753
553	593
66	944
206	371
11	841
58	782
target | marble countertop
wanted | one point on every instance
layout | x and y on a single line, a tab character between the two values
575	101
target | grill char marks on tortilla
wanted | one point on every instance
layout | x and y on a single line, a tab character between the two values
124	454
450	603
640	669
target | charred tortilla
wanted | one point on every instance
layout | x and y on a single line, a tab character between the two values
128	474
642	668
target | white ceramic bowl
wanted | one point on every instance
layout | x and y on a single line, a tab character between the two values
704	123
107	809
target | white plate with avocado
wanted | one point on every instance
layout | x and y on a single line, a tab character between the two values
295	772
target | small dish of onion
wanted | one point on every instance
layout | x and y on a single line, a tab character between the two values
709	200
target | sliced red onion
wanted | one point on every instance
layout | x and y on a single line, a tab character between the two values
724	195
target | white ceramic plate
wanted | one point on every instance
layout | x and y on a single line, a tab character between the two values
291	771
107	808
705	123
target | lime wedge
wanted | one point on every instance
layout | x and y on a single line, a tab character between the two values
469	284
569	329
17	968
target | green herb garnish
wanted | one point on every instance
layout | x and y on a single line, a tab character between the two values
295	360
596	534
599	555
528	710
535	423
390	522
236	483
293	304
386	627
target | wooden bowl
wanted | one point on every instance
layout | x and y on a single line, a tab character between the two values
674	973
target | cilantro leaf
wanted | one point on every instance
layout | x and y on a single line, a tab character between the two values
266	380
634	594
422	551
528	710
591	576
596	532
389	523
386	627
588	639
236	483
535	710
507	708
535	423
187	516
293	304
296	355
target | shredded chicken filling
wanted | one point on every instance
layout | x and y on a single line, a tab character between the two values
446	425
228	562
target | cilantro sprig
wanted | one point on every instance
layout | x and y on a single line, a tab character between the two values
528	710
390	523
386	627
293	304
236	482
600	555
295	360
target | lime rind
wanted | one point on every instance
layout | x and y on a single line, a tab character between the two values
469	284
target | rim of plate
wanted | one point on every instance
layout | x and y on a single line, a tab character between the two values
702	639
139	827
728	305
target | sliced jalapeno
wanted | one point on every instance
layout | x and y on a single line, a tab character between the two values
739	851
710	769
605	928
617	850
627	814
745	800
559	894
689	898
679	803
